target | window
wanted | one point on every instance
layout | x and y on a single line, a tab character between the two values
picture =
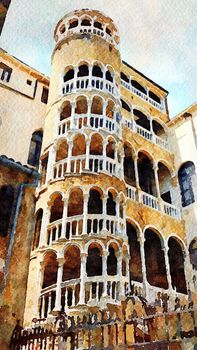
5	72
185	174
44	97
35	148
6	204
29	82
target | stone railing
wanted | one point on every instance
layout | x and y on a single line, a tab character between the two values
76	165
96	289
95	224
89	83
143	96
146	134
47	301
153	202
80	29
92	121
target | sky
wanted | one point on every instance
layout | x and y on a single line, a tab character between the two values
158	37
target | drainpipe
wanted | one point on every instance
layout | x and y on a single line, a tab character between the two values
16	166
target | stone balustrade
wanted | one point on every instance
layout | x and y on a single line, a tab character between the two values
153	202
146	134
77	165
143	96
90	83
92	121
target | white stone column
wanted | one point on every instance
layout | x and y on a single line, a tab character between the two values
39	288
64	217
75	78
83	276
104	200
87	154
104	113
58	286
104	155
118	215
70	145
90	77
135	159
85	212
51	162
89	105
119	273
155	168
142	252
104	272
73	106
43	230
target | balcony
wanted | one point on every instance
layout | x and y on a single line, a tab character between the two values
146	134
152	202
92	121
95	164
143	96
94	224
90	83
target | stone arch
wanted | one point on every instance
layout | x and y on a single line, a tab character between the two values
112	259
50	269
146	173
68	73
186	174
79	145
164	177
38	224
81	105
96	106
61	149
95	203
155	259
128	165
193	253
65	110
110	73
110	147
110	108
96	144
135	262
75	202
72	264
56	205
94	260
176	261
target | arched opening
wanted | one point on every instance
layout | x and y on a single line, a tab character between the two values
6	205
193	253
108	31
112	261
66	111
129	168
109	76
111	204
159	130
50	270
81	105
83	70
62	29
124	77
138	86
141	119
94	260
62	150
73	24
69	74
75	202
35	148
37	230
154	97
186	174
176	261
164	178
72	264
95	204
110	148
86	22
98	25
96	107
97	71
155	260
44	164
110	109
96	145
56	207
135	263
125	106
79	145
146	174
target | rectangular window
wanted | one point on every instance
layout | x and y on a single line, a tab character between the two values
44	97
29	82
5	72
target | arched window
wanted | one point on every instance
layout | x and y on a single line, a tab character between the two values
97	71
35	148
111	262
95	204
6	204
38	224
83	71
185	175
193	253
94	261
138	86
125	106
69	75
111	205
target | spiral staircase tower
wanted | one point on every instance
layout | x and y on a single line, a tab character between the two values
81	198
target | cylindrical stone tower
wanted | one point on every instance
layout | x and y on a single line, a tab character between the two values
80	248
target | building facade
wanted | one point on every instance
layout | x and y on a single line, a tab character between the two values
109	225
